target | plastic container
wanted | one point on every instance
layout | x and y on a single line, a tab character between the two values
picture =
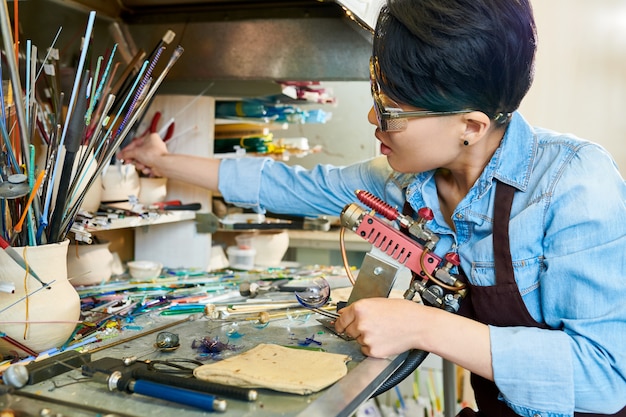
244	241
241	258
270	246
144	270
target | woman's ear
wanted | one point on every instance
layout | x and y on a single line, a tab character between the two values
476	126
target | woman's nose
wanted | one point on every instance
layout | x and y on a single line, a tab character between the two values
371	116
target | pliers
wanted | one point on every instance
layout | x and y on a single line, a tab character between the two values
169	132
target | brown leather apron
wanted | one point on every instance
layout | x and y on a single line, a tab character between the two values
511	310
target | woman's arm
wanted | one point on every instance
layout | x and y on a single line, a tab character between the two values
149	154
262	183
385	327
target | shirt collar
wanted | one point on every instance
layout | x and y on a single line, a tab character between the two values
512	162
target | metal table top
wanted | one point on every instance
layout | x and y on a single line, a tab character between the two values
289	331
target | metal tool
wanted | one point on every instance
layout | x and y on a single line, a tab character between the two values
154	371
73	139
194	384
18	375
15	186
117	380
210	223
19	260
433	279
174	205
72	406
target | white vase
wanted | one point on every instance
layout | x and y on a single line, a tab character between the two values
89	264
119	182
152	190
270	247
36	317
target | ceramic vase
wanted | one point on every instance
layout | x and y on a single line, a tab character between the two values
152	190
38	317
270	247
89	264
119	182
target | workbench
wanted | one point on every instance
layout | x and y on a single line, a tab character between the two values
63	395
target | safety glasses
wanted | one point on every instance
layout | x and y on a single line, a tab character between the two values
391	118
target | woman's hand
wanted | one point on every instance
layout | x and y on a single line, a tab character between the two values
145	153
389	326
382	326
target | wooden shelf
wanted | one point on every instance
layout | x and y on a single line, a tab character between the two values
150	220
326	240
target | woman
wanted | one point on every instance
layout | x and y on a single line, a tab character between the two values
543	329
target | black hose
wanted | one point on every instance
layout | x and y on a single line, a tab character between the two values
410	364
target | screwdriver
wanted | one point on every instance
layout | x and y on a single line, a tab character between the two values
118	381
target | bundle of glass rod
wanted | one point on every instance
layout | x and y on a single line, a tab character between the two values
38	204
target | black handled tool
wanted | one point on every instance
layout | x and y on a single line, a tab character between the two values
116	380
139	371
75	132
195	384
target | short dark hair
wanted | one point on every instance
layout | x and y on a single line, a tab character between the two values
449	55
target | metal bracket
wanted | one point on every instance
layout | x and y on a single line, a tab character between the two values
376	278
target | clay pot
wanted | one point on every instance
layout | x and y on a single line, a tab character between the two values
152	190
89	264
52	312
119	182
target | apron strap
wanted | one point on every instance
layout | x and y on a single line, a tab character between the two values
501	246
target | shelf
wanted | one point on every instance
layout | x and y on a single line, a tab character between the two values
326	240
149	220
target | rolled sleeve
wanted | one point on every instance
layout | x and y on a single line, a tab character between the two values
581	365
262	184
240	181
547	381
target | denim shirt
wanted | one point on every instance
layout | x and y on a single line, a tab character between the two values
568	244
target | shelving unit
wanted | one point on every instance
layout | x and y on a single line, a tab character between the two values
151	220
171	238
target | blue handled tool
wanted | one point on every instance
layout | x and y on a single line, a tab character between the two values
185	396
208	402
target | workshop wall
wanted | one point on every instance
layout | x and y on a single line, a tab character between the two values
580	82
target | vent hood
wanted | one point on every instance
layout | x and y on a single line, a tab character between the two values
237	47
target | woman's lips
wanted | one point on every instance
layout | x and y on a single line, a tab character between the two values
384	149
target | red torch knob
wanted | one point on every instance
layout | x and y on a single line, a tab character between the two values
425	213
453	258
